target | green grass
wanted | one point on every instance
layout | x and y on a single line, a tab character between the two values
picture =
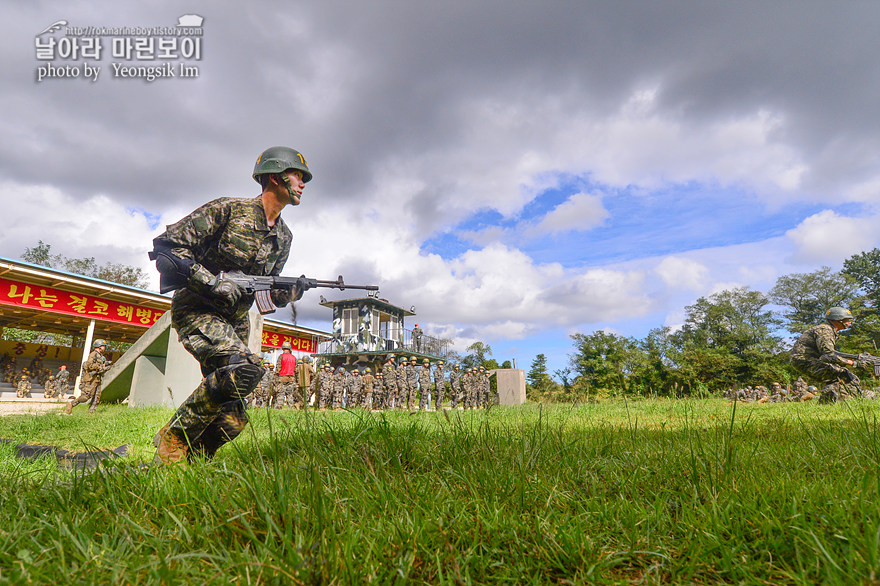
655	491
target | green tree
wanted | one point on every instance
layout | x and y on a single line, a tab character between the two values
476	356
864	269
41	254
603	362
727	339
541	386
806	297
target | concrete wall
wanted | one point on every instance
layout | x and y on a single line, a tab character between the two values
511	384
158	371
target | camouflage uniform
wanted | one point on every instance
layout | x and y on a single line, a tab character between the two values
226	234
321	387
304	375
369	382
23	390
455	386
267	388
62	383
439	386
49	388
813	356
402	374
424	386
90	383
355	391
286	390
337	382
412	383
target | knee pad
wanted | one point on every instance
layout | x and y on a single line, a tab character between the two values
234	381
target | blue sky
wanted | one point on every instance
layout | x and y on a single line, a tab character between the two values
518	172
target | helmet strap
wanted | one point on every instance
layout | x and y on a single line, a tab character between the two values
290	191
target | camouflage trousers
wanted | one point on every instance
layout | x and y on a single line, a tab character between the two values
455	395
203	421
287	393
833	376
89	393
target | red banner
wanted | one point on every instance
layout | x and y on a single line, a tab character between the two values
275	340
58	301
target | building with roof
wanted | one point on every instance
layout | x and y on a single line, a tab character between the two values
366	330
44	299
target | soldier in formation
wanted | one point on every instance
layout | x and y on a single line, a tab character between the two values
304	376
286	388
424	379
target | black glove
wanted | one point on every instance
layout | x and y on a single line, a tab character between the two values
226	291
853	378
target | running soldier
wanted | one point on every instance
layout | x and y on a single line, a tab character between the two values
90	382
210	312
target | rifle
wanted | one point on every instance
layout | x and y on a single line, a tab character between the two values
863	359
261	286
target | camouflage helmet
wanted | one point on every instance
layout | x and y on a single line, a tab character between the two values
24	377
286	346
98	342
412	359
368	369
307	359
279	159
838	314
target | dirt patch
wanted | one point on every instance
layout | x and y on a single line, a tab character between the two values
32	408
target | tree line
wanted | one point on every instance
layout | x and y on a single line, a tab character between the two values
731	339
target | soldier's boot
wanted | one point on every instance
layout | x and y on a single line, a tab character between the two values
808	397
69	408
170	447
829	394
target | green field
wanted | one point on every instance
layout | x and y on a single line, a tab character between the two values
653	491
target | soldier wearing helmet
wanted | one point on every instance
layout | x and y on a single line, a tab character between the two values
93	370
417	338
439	385
286	389
813	356
424	379
304	374
23	390
209	312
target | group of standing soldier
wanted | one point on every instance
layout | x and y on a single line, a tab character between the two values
400	385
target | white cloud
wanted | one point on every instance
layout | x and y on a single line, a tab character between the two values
830	238
682	273
580	212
